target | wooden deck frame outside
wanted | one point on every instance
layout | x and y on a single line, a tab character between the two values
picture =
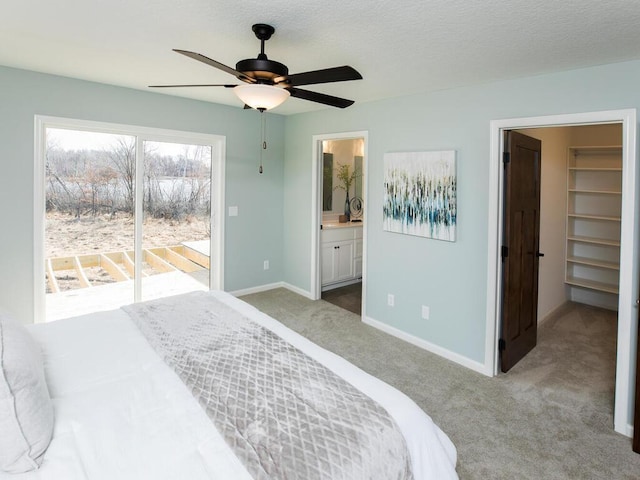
120	265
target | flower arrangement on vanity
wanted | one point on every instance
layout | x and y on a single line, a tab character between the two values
346	179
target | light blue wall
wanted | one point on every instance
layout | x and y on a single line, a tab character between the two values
448	277
275	209
252	237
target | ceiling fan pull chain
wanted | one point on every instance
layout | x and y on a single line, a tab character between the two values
263	132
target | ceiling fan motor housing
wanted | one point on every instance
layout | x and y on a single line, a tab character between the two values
262	69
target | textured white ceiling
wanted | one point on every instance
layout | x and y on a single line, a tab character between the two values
400	47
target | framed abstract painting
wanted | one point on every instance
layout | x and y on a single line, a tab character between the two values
420	191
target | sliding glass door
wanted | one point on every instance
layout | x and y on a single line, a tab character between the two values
176	228
129	214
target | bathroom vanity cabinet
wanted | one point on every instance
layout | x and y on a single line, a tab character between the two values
341	251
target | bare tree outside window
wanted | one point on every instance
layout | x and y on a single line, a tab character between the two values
92	187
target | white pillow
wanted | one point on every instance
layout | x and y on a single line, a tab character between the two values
26	410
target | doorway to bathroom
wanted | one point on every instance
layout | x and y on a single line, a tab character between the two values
339	220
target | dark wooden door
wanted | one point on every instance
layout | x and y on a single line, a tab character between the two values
520	247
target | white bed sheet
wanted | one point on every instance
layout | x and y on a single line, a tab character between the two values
121	413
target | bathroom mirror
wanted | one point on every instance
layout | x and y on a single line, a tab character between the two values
337	153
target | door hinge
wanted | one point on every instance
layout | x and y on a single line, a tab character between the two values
505	252
501	345
506	157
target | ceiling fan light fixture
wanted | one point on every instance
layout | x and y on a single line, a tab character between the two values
269	82
261	96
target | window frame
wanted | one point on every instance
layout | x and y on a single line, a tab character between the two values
142	134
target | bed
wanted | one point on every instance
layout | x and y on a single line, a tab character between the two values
123	409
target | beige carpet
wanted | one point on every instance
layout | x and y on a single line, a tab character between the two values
549	418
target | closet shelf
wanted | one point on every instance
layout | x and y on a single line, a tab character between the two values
593	285
594	197
596	169
594	240
594	263
605	192
595	149
594	217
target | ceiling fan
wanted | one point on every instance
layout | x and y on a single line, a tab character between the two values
267	83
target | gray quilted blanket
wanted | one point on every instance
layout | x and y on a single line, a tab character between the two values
285	415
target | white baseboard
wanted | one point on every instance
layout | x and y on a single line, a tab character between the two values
625	429
258	289
271	286
555	313
297	290
430	347
418	342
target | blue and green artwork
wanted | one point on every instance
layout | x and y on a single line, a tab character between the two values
420	194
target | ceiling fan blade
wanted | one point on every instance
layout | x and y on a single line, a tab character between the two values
328	75
202	85
201	58
320	98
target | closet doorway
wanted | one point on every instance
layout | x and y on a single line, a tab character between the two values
126	214
339	206
583	271
574	228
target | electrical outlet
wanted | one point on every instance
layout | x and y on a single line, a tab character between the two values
391	300
266	264
425	312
